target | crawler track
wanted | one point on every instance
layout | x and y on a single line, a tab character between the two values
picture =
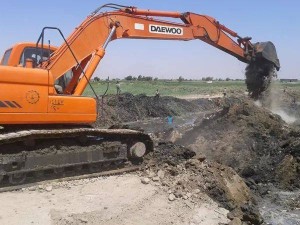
38	153
85	176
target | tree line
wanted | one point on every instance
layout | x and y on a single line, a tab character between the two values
180	79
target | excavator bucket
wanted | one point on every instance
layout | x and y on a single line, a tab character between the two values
267	51
261	69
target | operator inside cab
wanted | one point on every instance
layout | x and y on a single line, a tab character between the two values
62	82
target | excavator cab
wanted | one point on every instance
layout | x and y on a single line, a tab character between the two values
19	53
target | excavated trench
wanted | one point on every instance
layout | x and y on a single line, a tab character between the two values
214	145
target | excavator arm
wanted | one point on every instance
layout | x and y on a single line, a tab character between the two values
89	40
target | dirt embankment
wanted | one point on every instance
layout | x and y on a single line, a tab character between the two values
238	138
184	175
238	133
127	107
258	144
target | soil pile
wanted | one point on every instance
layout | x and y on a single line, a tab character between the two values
186	176
255	142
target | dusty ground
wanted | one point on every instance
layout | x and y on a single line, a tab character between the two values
112	200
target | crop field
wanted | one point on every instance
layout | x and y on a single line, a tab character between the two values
183	88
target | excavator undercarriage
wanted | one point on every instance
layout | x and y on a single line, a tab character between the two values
25	152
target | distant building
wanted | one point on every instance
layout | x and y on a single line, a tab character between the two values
288	80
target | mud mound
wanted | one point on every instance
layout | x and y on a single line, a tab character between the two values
169	153
185	176
127	107
249	139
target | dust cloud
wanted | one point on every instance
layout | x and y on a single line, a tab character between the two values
261	84
279	102
276	105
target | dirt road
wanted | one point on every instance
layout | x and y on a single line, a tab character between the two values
111	200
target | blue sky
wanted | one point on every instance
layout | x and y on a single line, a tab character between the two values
266	20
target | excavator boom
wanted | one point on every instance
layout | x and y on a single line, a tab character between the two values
134	23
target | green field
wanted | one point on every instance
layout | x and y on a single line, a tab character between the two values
176	88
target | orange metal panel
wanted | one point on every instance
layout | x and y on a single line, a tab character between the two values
46	118
23	90
71	104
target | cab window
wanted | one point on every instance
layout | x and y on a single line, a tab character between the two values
36	54
6	56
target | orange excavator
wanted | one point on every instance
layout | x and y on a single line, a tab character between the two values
46	120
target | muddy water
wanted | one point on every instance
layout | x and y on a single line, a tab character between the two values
158	125
281	208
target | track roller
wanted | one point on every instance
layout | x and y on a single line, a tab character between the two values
137	150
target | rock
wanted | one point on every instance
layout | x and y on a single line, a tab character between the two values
165	183
33	188
83	220
173	171
236	213
145	180
196	191
151	174
41	187
155	179
48	188
166	165
193	162
161	174
178	194
185	197
248	172
251	214
201	158
251	183
171	197
235	221
188	195
173	136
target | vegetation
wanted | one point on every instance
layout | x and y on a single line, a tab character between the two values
178	87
